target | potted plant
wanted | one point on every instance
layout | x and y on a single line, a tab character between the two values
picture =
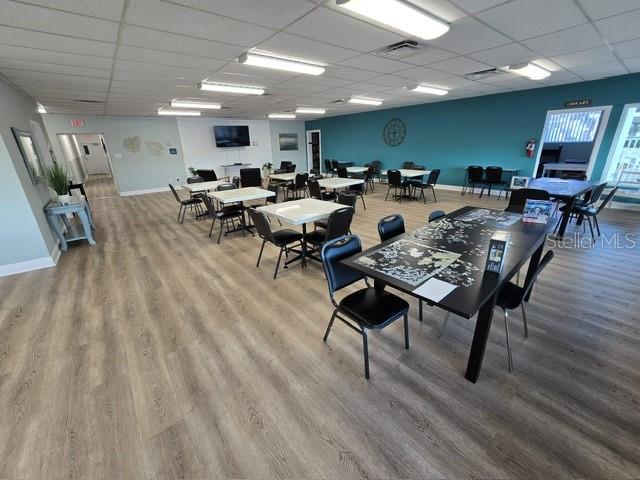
193	171
266	168
58	180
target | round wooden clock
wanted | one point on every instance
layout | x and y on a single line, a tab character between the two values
394	132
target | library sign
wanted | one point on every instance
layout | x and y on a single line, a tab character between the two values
584	102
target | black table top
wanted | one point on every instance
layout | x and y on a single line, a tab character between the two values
562	189
456	234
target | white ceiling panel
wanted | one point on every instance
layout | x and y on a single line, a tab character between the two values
570	40
52	42
522	19
621	27
510	54
37	67
469	35
605	8
53	21
375	64
196	23
632	64
145	55
346	73
422	74
459	65
428	55
35	55
390	81
109	10
600	70
627	49
297	46
332	27
586	57
475	6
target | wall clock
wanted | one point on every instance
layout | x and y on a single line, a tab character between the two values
394	132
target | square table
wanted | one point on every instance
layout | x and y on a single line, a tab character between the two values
239	195
283	177
301	212
334	183
465	232
357	169
565	190
203	186
410	173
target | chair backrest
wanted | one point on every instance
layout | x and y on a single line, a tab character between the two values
291	168
274	189
236	181
195	179
285	164
607	199
332	253
207	175
348	199
260	220
435	215
314	171
407	165
208	204
519	198
327	165
175	194
301	180
226	186
493	174
334	164
377	165
394	177
314	189
250	177
596	193
390	226
475	173
339	223
528	284
371	171
342	172
433	177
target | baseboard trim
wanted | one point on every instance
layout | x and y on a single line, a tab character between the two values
625	206
27	266
145	191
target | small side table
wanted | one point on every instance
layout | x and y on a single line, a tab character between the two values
80	207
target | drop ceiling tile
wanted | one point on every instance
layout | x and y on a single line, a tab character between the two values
13	64
621	27
586	57
346	73
428	55
459	66
341	30
186	21
522	19
52	21
52	42
570	40
423	74
627	49
375	64
506	55
468	35
160	71
598	8
57	58
272	13
600	70
239	73
390	80
475	6
454	83
145	55
111	10
297	46
632	64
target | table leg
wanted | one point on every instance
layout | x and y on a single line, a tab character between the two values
480	337
55	226
304	245
565	217
86	224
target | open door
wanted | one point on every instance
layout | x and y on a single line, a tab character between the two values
313	150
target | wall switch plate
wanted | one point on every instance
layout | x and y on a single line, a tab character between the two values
255	144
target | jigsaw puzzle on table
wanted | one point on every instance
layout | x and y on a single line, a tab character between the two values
409	261
490	218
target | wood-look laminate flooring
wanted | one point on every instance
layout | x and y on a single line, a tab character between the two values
157	354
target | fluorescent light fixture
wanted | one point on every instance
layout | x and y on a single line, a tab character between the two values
400	15
179	113
529	70
313	111
280	63
427	89
220	87
41	109
365	101
284	116
187	104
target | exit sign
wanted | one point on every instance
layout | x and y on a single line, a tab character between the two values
77	123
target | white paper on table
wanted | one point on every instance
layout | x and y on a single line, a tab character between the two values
434	289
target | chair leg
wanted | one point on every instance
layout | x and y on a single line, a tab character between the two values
385	197
213	222
433	190
524	320
506	329
184	212
365	347
593	237
180	212
260	254
363	204
420	309
326	333
406	331
595	219
444	325
221	228
275	274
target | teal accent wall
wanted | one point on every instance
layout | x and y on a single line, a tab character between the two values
487	130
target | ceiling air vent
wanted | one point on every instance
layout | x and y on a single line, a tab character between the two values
403	49
338	102
88	102
484	74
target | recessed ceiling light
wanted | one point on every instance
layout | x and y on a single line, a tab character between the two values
284	116
187	104
179	113
224	88
427	89
268	60
315	111
399	15
365	101
529	70
41	109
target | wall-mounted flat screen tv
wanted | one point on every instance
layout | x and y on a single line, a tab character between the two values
231	135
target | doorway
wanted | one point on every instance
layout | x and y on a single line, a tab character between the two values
571	140
314	153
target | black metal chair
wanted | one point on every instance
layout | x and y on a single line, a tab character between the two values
590	211
250	177
207	175
431	182
377	168
358	191
365	309
368	178
298	186
338	225
474	177
281	238
229	213
435	215
191	203
519	197
291	168
342	172
395	182
316	192
344	198
195	179
284	164
415	182
390	226
493	178
328	169
408	165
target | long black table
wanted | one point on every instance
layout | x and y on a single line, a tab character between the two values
567	191
477	291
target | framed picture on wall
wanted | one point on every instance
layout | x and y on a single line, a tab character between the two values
519	182
27	147
288	141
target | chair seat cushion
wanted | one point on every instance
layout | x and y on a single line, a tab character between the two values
286	236
373	308
585	210
224	214
191	201
316	237
510	296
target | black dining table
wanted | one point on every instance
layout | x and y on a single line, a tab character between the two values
566	190
464	233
